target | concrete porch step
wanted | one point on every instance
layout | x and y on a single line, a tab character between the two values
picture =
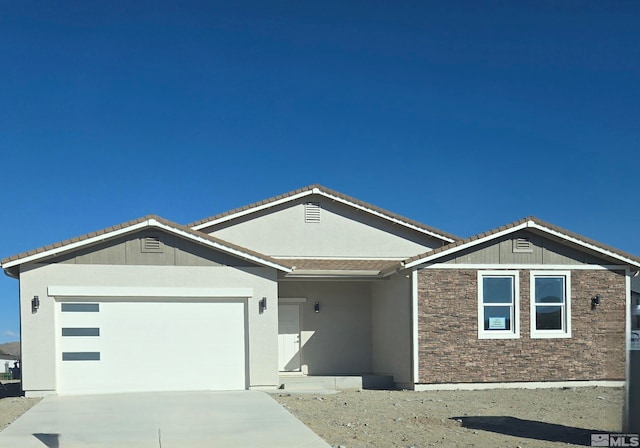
337	382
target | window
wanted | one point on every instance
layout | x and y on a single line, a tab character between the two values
80	332
498	298
81	356
550	304
80	307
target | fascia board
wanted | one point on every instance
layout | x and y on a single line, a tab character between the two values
525	225
76	245
333	273
328	196
384	216
141	225
584	244
465	246
252	210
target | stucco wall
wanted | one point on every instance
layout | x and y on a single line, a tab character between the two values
391	328
337	340
38	330
342	231
450	351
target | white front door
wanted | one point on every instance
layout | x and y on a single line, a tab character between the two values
289	338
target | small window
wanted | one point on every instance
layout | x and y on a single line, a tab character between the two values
312	212
80	307
498	299
522	245
80	332
152	244
550	304
81	356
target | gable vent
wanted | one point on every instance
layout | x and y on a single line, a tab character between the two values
522	245
312	212
151	244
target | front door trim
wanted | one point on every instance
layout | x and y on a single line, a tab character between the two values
289	342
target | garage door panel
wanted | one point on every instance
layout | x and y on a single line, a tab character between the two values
137	340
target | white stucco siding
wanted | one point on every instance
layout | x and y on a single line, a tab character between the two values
341	232
391	328
337	340
39	349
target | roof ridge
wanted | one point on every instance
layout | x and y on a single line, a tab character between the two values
309	188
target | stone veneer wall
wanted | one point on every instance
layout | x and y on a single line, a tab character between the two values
450	351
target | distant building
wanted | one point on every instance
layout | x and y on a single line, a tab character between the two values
7	362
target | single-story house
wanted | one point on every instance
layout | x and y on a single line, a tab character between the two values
317	283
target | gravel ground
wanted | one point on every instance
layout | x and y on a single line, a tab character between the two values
13	407
489	418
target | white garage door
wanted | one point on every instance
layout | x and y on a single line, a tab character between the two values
133	346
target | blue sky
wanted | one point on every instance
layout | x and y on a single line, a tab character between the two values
462	115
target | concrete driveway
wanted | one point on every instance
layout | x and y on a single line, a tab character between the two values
160	420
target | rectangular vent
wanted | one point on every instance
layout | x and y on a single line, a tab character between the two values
312	212
522	245
151	244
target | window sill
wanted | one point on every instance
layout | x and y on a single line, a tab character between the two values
498	336
539	335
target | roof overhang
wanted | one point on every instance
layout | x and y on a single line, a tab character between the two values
529	224
329	195
334	274
151	222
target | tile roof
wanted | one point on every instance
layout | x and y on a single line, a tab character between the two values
106	231
463	243
309	189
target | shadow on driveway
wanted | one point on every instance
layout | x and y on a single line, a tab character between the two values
529	429
51	440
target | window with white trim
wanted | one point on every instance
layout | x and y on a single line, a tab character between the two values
550	304
498	302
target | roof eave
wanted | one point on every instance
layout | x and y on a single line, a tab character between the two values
333	273
75	245
457	247
151	222
329	194
525	224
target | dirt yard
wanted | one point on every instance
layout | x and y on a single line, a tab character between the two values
495	418
491	418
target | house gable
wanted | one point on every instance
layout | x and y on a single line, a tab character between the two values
151	247
116	245
316	226
523	247
550	243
